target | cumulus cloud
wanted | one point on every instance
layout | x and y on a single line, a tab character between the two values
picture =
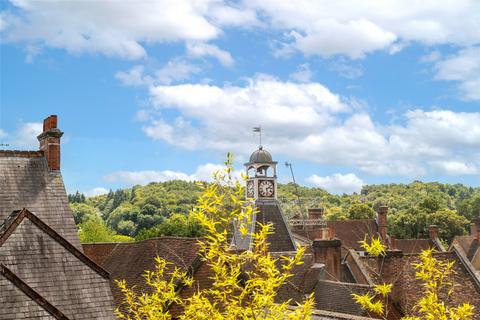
355	28
200	49
464	68
96	192
203	173
303	74
337	183
308	121
174	70
118	28
24	137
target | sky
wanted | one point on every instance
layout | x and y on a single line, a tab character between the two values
349	92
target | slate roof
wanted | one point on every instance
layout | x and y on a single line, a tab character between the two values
26	182
280	240
50	272
337	297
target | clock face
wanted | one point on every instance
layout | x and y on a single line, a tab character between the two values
265	188
250	189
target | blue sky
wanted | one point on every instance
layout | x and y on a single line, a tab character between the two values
351	92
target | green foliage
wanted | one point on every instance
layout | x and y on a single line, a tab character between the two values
244	285
336	213
83	212
360	211
412	206
95	230
177	225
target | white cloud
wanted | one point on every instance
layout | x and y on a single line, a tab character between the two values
354	28
199	49
3	134
303	74
118	28
25	136
463	67
456	167
308	121
337	183
96	192
202	173
174	70
345	68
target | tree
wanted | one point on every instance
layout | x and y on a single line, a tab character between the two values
449	222
434	274
336	213
244	284
94	230
360	211
83	212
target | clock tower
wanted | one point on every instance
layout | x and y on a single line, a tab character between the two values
261	188
262	176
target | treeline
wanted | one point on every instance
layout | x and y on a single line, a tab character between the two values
162	209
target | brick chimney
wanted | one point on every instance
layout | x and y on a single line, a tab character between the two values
382	223
315	213
475	229
433	231
329	253
50	142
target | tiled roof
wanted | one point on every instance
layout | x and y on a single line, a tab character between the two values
399	270
129	261
413	245
350	232
469	244
26	182
34	254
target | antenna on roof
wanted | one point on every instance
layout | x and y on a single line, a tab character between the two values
289	165
259	130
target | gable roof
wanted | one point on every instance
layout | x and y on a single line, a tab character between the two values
43	308
50	271
414	245
27	182
399	270
129	261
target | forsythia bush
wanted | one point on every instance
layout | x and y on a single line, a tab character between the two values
244	284
434	275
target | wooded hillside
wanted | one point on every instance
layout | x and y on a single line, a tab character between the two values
162	208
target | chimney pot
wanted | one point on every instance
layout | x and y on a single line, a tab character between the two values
382	222
50	142
329	253
433	231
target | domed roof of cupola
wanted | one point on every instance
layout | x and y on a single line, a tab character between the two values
261	156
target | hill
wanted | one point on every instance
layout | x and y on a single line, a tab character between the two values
162	208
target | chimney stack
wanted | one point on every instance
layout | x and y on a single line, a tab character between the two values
315	213
475	229
382	223
433	231
329	253
50	142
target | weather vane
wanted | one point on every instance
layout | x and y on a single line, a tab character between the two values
259	130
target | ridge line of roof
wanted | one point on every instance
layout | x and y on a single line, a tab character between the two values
22	153
31	293
25	213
